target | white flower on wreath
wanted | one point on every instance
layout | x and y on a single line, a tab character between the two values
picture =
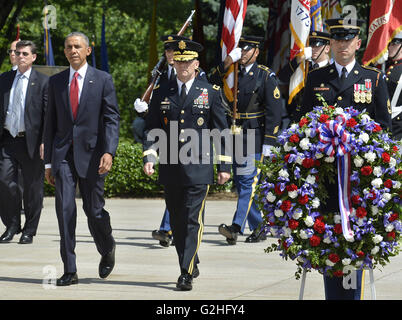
271	197
389	227
286	147
310	179
299	159
319	155
366	117
309	221
358	161
315	203
286	232
346	261
377	238
329	263
377	171
386	196
329	159
303	234
278	213
297	214
308	132
364	137
283	173
370	156
396	184
327	240
292	194
338	111
305	143
392	162
337	219
375	250
376	183
374	210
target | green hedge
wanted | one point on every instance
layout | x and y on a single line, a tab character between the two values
127	178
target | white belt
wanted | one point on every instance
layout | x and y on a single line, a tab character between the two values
396	110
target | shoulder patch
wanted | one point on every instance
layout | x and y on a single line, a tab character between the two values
371	68
216	87
261	66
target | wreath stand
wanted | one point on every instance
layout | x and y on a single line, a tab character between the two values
372	286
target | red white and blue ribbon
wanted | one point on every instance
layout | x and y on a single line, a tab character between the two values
335	141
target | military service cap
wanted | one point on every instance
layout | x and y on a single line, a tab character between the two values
186	50
248	42
318	38
344	29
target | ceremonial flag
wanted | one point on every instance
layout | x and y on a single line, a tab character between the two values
104	58
299	27
315	13
198	33
278	34
153	52
47	40
330	9
93	54
18	32
385	23
233	17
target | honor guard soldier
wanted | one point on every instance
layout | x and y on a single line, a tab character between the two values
182	111
317	54
346	83
259	111
394	82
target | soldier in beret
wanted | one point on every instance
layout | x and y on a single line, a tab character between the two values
394	83
259	112
180	113
346	83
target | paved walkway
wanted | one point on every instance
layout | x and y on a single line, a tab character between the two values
144	270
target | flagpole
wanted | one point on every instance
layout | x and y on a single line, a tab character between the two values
235	129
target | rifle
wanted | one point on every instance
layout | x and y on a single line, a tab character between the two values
157	70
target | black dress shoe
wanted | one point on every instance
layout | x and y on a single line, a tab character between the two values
67	279
106	264
229	232
164	237
256	237
26	239
8	235
196	272
185	282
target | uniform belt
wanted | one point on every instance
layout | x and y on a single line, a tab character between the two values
19	134
248	115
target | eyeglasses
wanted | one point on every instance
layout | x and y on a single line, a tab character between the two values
25	54
11	51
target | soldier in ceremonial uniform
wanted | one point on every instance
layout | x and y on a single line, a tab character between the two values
346	83
259	112
394	82
180	114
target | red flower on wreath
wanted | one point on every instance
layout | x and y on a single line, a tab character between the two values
393	217
360	254
356	199
308	163
377	128
333	257
315	241
278	189
319	226
291	187
338	228
293	224
388	183
286	205
294	138
303	121
338	273
323	118
351	123
361	212
391	235
366	170
385	157
303	200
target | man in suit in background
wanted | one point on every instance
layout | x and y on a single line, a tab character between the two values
23	99
81	138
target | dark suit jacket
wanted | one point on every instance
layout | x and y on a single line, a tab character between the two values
94	132
35	106
202	110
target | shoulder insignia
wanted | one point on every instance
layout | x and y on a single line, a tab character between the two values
216	87
261	66
157	86
277	93
371	68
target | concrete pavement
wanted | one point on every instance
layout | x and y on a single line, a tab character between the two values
144	270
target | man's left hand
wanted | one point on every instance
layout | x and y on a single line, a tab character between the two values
223	177
105	163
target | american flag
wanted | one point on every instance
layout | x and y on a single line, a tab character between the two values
233	17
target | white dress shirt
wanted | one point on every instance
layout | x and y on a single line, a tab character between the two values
348	67
81	77
189	83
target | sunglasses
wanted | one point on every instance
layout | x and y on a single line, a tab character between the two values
18	53
9	51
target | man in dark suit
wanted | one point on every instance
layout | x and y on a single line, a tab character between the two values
394	83
346	83
23	99
181	111
259	112
81	138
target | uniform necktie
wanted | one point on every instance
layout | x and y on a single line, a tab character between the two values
183	93
172	75
314	66
343	75
17	113
74	95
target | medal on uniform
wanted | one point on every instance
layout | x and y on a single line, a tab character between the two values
367	84
363	96
200	121
356	93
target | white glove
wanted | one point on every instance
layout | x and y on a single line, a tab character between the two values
308	53
235	54
266	150
140	106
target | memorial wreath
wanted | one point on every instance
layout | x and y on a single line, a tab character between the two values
346	147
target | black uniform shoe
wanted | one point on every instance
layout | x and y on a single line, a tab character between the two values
26	239
67	279
256	236
185	282
8	235
196	273
106	264
230	232
164	237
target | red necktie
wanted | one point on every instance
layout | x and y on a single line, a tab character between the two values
74	95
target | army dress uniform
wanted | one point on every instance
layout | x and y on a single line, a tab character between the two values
393	79
259	110
186	183
363	88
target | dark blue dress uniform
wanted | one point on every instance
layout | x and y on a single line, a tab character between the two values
393	78
186	173
365	89
259	111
